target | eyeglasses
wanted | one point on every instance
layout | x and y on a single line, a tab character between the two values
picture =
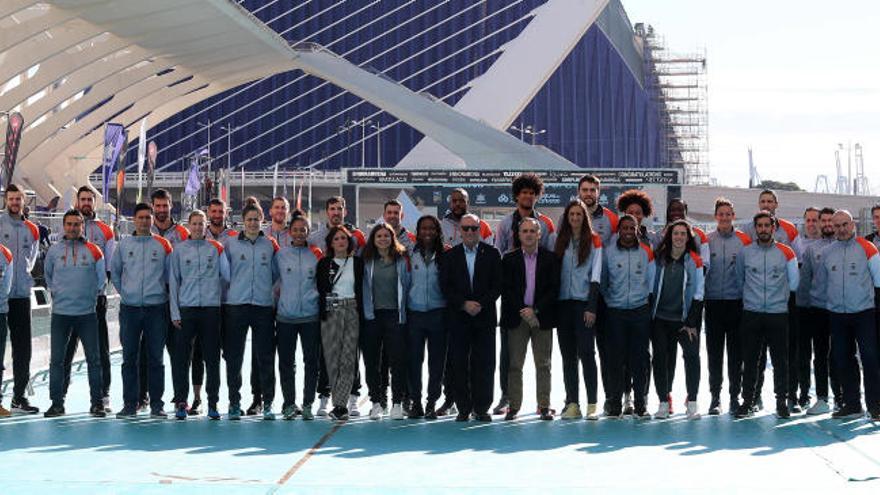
470	228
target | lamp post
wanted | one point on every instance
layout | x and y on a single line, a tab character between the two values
363	123
378	127
207	126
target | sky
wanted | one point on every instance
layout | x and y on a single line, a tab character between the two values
790	79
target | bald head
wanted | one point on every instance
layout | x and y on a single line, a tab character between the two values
844	227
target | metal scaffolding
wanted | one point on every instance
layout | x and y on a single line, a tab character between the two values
679	84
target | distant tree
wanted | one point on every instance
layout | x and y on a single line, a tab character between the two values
779	186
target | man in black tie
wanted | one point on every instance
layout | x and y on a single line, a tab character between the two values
471	281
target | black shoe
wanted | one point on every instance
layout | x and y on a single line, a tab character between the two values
127	412
143	404
759	405
874	414
21	405
255	409
55	410
782	411
98	410
805	402
794	406
847	411
613	411
338	413
196	408
715	406
463	417
444	408
838	404
484	417
415	410
511	414
641	412
733	406
430	413
501	407
744	411
606	408
546	414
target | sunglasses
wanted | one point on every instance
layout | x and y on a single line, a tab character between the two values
470	228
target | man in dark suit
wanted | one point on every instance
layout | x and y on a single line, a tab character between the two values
471	281
528	301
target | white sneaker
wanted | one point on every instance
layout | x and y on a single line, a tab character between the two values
820	407
571	411
322	406
376	411
396	411
353	406
591	412
662	411
692	412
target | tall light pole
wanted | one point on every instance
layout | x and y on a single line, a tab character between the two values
363	123
520	129
229	128
207	125
378	127
531	131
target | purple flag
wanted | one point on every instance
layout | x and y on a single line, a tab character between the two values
114	138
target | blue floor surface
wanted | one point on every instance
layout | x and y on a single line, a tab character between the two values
78	454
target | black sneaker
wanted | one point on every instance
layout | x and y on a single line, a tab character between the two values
55	410
196	408
484	417
782	411
158	414
339	413
874	414
758	405
21	405
255	409
430	413
416	411
444	409
613	411
546	414
511	414
733	406
744	411
847	411
98	411
501	407
463	417
641	412
715	406
127	412
794	406
805	402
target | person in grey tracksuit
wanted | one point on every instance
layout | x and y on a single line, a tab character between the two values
295	267
852	268
628	272
249	304
139	271
768	272
75	274
199	270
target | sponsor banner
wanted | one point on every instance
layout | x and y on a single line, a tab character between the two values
625	177
501	196
14	127
114	139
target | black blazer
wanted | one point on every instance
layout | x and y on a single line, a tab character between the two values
456	284
325	284
514	288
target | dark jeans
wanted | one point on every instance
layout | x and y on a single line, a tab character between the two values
65	328
816	347
237	319
666	336
760	330
309	334
849	332
628	333
170	340
103	348
198	362
473	362
723	333
577	342
384	334
426	327
147	324
200	327
19	321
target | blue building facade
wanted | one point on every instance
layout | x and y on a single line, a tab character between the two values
595	109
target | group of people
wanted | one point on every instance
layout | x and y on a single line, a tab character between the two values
605	281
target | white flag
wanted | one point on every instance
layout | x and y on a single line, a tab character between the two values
142	154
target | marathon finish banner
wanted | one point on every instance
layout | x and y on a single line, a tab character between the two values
624	177
14	127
